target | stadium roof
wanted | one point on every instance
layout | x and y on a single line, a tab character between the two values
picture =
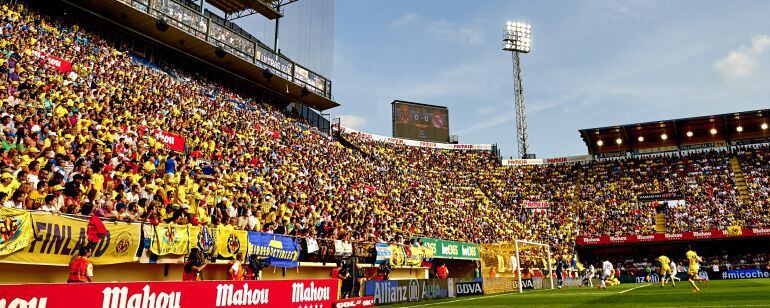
199	45
265	7
679	134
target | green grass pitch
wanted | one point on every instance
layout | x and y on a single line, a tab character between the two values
718	293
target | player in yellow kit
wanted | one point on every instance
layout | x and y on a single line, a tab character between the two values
692	270
665	271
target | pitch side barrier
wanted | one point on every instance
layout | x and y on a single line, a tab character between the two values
387	292
264	293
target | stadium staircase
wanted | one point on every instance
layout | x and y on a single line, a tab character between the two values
660	223
740	180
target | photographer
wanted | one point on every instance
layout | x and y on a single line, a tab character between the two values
256	264
235	270
194	266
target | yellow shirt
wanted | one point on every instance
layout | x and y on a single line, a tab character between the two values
664	261
693	258
98	181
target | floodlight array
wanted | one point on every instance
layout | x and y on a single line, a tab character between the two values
517	37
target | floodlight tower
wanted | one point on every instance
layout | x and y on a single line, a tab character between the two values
517	38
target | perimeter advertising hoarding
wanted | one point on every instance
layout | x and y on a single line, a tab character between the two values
420	122
251	293
667	237
412	290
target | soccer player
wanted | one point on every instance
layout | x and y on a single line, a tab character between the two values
692	270
560	266
587	275
665	271
674	272
606	273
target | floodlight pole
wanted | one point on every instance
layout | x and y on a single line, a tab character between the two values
517	39
278	6
521	122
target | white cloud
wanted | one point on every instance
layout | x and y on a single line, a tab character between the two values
404	20
353	121
456	33
743	61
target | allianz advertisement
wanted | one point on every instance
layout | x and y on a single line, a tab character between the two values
745	274
412	290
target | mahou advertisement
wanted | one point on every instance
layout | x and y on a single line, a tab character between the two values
314	293
736	232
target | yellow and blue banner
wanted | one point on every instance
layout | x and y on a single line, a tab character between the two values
16	230
281	251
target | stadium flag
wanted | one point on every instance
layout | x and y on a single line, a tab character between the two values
203	238
383	253
174	142
57	63
58	238
312	245
96	229
343	249
16	230
415	256
230	242
170	239
397	255
280	250
734	230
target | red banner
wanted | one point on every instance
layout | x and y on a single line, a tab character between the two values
668	237
57	63
252	293
536	204
173	141
355	302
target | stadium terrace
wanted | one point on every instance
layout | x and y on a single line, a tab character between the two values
151	154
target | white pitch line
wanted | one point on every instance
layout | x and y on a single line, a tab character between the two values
634	288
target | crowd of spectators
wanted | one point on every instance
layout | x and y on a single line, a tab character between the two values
756	171
85	142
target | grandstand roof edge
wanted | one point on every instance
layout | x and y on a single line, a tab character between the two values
419	104
677	120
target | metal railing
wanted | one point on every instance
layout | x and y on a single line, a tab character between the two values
249	49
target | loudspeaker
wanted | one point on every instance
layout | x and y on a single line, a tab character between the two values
220	52
305	92
161	25
267	74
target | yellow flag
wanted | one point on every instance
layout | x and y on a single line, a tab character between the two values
170	239
734	231
16	230
231	242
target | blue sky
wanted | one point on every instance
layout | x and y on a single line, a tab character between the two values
593	63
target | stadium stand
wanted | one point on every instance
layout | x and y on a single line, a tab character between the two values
88	141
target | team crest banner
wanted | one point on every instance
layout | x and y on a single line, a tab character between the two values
16	230
204	239
230	242
58	238
281	251
170	239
